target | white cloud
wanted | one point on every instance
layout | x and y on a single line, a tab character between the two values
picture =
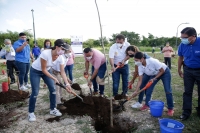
3	1
15	22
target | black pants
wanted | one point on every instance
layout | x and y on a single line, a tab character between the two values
10	66
168	61
190	76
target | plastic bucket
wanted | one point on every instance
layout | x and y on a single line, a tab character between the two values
156	107
170	126
4	86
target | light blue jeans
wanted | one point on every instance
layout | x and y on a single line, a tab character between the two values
166	79
35	76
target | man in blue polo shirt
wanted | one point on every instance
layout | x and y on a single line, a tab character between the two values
22	60
189	51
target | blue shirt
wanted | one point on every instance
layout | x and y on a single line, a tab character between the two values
190	53
36	51
24	55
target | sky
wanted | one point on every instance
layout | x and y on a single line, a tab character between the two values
64	18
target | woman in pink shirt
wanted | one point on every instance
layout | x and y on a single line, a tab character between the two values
70	65
167	51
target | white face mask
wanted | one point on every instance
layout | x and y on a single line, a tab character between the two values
138	63
89	58
119	45
68	55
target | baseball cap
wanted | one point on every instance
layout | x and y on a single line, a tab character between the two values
61	43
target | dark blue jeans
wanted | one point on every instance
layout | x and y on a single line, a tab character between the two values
101	73
124	71
23	69
68	71
190	76
166	79
35	76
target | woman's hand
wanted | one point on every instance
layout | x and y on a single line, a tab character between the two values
56	81
68	88
135	93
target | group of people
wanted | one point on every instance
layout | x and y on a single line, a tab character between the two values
51	64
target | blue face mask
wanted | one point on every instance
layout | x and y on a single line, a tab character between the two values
22	40
185	41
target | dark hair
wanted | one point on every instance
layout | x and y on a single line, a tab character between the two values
22	34
47	40
190	31
139	55
86	50
120	36
131	48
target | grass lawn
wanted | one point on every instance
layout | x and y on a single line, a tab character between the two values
191	125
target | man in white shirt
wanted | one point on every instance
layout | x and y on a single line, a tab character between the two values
117	54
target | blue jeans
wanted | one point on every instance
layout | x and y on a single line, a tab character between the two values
68	70
23	69
124	71
35	76
166	79
101	73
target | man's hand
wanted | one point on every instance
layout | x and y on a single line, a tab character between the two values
85	73
90	83
25	43
180	73
135	93
113	69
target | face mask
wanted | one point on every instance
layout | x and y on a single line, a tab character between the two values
138	63
22	40
68	55
60	52
119	45
132	55
185	41
89	58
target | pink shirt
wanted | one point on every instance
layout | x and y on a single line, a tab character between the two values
167	51
98	58
71	59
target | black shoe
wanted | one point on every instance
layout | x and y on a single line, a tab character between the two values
12	82
184	117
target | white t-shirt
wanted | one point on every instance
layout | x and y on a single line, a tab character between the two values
46	55
117	53
57	66
152	67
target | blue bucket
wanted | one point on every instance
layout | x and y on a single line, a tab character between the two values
156	107
170	126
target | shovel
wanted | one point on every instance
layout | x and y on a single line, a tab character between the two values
84	101
86	76
146	87
101	81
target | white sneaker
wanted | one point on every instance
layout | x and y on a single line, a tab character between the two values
27	85
137	105
31	117
55	112
23	88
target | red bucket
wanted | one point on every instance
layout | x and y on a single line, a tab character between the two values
4	86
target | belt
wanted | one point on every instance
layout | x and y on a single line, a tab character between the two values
55	72
192	68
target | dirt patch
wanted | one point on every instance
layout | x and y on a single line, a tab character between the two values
120	96
76	86
12	96
99	111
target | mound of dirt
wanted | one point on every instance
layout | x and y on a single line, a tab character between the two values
120	96
99	111
76	86
12	96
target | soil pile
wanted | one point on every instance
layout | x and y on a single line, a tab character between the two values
12	96
120	97
99	111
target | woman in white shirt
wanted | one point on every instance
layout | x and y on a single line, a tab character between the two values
40	69
153	69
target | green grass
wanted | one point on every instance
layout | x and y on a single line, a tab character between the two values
191	125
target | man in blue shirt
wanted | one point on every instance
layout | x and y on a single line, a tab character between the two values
36	51
189	51
22	60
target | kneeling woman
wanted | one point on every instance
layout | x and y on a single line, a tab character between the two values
152	69
40	69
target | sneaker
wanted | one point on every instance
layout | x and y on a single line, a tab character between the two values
144	107
144	98
137	105
55	112
102	95
170	112
31	117
27	85
23	88
61	107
